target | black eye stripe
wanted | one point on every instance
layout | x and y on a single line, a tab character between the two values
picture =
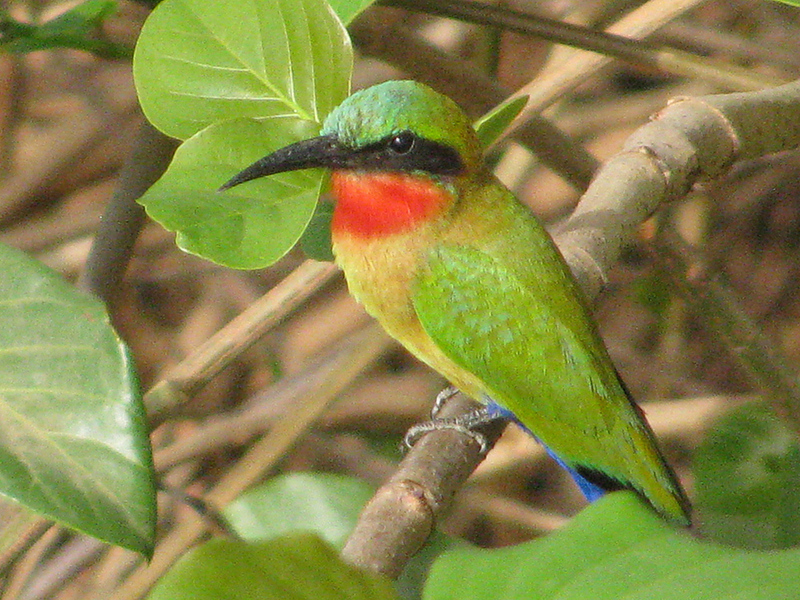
406	151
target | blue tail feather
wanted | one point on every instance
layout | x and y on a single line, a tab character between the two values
591	491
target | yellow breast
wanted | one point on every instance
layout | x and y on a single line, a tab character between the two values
380	274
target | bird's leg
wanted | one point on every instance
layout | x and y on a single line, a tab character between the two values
466	423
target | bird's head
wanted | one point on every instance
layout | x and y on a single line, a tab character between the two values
397	126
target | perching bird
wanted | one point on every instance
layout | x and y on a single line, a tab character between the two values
466	278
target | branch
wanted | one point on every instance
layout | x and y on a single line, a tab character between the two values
606	43
401	516
123	217
189	376
691	140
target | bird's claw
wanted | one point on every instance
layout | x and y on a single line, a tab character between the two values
464	424
442	398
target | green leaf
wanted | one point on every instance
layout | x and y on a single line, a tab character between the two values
789	2
747	477
328	505
73	437
492	124
75	28
299	567
247	227
324	503
616	548
349	9
198	62
316	239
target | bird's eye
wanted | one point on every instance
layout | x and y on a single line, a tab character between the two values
402	142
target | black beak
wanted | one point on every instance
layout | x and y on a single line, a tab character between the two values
323	151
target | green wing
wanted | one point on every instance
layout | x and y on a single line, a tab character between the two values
535	350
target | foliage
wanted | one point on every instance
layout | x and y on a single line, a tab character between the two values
615	548
748	480
325	504
300	567
76	28
238	82
73	438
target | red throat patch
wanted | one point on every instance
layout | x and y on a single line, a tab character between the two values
370	205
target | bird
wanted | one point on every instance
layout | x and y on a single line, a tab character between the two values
465	276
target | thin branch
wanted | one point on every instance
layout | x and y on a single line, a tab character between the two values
215	432
186	378
350	359
124	218
570	67
632	51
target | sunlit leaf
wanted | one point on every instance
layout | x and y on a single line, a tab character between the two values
616	548
324	503
299	567
73	437
249	226
199	62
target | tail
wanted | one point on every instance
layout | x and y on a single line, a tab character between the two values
664	492
659	488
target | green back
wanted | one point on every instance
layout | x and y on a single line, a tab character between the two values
505	308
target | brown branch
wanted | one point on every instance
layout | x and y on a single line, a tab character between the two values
632	51
691	140
123	217
403	513
186	378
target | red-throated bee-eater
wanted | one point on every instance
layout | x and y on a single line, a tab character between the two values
466	278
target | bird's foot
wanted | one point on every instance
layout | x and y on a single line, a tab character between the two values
442	398
466	424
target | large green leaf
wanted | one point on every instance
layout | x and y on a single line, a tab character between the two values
198	62
251	225
299	567
328	505
616	548
747	477
73	437
325	503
